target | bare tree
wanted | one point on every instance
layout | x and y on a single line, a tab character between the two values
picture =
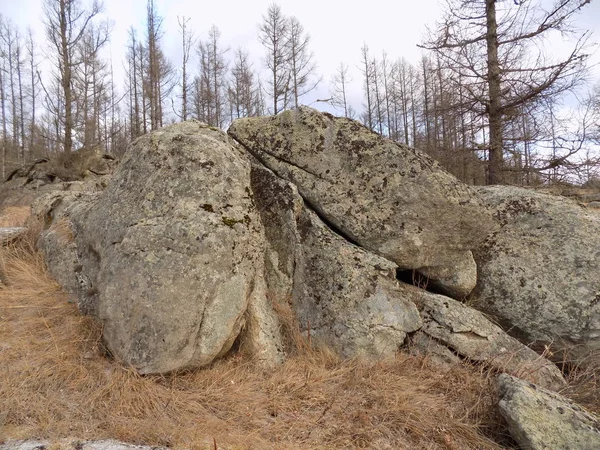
502	58
273	35
211	89
159	79
243	89
301	63
187	42
66	22
339	88
367	71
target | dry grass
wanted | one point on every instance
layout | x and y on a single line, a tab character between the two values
14	216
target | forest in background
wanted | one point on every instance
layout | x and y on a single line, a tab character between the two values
486	99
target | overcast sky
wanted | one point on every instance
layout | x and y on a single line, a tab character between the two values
338	28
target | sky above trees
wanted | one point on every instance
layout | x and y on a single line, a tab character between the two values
338	30
368	56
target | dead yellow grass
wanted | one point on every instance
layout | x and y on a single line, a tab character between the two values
14	216
56	383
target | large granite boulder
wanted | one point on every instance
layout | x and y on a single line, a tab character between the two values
389	199
540	273
172	252
542	420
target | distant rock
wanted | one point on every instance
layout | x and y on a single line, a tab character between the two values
72	166
542	420
389	199
540	273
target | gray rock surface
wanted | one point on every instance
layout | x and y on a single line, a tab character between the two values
542	420
456	281
540	273
8	234
342	295
390	199
468	333
51	213
173	252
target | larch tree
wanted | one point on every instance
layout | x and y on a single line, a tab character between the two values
302	67
187	42
273	34
499	48
211	90
66	22
243	90
339	90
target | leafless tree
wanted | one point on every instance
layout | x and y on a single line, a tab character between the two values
187	42
501	57
302	67
273	35
339	90
211	90
66	22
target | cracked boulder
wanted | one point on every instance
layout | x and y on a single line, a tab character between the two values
171	254
470	335
340	294
542	420
539	275
390	199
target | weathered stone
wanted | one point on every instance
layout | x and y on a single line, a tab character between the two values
51	212
470	334
595	205
67	166
342	295
390	199
456	281
9	234
542	420
540	274
173	251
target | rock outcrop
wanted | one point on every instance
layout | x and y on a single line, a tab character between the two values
340	294
389	199
171	254
540	273
195	244
542	420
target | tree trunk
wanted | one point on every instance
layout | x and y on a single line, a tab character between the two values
496	157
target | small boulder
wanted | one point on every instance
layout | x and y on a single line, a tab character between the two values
542	420
468	333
